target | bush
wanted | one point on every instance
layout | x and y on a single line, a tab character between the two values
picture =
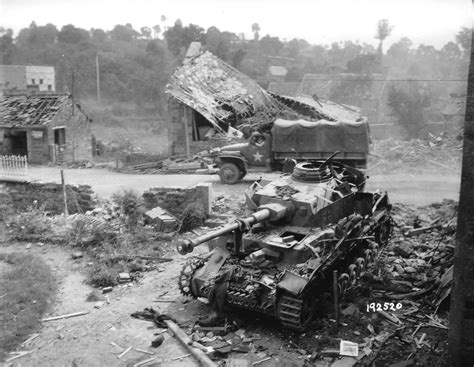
193	216
129	202
30	225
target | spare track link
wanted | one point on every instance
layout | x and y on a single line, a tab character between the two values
292	313
187	273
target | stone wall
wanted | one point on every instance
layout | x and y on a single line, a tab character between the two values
17	197
78	134
175	200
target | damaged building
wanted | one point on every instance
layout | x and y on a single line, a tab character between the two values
208	95
45	128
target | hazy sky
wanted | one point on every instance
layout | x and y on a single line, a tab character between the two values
423	21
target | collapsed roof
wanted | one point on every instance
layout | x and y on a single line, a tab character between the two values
216	90
33	110
225	96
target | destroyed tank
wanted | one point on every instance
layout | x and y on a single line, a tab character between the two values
280	259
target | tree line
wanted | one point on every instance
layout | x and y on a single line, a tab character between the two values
135	65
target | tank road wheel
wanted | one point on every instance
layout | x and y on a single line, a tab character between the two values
374	246
369	257
295	312
229	173
352	274
360	262
342	285
383	231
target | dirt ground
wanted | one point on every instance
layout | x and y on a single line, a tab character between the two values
417	189
85	340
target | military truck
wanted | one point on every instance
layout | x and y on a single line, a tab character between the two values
298	140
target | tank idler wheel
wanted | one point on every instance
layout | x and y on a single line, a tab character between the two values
342	285
369	258
352	270
360	262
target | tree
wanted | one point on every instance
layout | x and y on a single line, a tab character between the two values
124	33
146	32
463	39
408	103
363	64
384	29
98	35
255	30
271	45
400	49
7	46
38	35
460	341
156	31
73	35
179	38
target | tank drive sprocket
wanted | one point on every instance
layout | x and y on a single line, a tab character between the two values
186	275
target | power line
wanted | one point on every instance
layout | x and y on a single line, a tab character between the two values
390	80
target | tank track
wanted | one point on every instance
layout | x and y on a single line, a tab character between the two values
187	273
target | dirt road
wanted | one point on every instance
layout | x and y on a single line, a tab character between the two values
419	189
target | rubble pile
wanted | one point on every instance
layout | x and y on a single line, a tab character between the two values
200	163
421	252
440	152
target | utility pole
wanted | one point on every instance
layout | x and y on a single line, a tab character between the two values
72	91
98	77
461	316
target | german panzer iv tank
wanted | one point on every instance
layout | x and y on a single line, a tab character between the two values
280	260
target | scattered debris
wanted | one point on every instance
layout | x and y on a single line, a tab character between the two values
144	351
124	352
144	362
117	347
158	341
261	361
27	341
17	355
95	296
66	316
124	278
77	255
107	289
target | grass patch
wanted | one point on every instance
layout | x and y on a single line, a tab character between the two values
122	255
27	291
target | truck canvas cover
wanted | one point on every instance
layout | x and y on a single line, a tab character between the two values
320	136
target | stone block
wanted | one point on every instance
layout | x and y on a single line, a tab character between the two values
204	196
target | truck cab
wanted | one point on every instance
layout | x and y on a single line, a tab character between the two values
237	159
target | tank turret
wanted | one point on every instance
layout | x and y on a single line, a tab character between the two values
301	227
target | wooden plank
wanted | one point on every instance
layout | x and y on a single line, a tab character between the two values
186	341
66	316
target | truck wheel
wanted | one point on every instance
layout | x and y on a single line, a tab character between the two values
229	173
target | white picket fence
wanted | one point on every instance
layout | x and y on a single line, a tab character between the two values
13	168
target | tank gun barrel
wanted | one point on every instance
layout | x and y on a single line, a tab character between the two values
266	212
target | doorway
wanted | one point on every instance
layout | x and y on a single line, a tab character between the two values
15	142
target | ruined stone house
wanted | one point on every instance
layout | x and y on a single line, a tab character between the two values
45	128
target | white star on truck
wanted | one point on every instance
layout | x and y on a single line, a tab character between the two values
258	157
